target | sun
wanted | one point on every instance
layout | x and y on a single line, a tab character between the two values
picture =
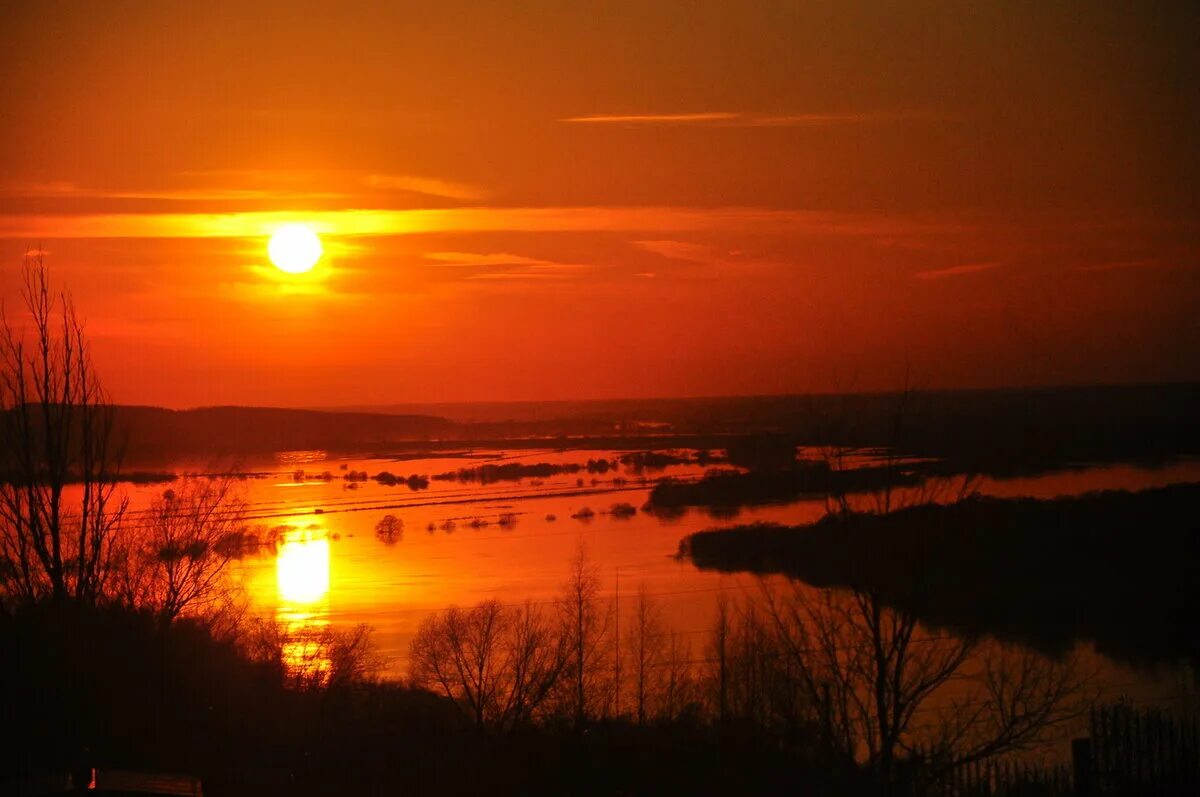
294	248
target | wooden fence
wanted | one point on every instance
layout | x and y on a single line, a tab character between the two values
1138	752
1129	752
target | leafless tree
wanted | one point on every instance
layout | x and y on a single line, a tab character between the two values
757	684
868	672
586	621
646	652
719	645
175	558
1015	701
679	686
59	509
459	652
501	664
535	659
352	655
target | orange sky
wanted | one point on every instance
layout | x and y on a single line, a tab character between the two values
570	200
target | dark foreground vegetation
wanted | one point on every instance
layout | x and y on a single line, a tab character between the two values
527	699
114	689
1114	567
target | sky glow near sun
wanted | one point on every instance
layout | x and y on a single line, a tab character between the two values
829	191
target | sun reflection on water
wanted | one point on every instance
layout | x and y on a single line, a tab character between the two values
302	568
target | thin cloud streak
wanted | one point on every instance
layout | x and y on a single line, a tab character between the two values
955	271
64	190
247	185
473	219
475	260
428	186
738	119
499	265
676	250
653	118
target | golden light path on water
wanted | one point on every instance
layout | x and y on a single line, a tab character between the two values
302	567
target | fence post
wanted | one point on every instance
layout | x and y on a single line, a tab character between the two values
1082	768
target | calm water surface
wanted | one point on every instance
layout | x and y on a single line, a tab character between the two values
467	542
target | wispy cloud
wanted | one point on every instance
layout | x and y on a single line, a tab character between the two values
68	190
478	260
518	275
955	271
677	250
429	186
243	185
744	119
654	118
503	265
385	222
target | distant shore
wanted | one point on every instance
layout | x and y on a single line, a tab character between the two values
1114	567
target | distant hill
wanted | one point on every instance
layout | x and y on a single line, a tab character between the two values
154	433
996	431
1021	425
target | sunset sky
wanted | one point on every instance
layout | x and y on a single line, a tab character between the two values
575	200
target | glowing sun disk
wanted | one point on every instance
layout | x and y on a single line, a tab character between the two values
294	248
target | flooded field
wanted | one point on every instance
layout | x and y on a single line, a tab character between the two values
457	541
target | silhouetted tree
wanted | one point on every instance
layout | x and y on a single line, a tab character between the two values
585	622
680	690
352	655
459	652
313	657
175	560
719	646
389	529
58	459
866	671
535	658
646	652
1017	701
501	664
